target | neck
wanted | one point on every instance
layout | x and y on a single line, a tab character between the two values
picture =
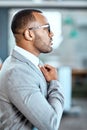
28	47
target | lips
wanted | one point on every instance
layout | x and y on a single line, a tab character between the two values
51	41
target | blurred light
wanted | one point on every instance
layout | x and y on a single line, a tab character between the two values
68	20
73	33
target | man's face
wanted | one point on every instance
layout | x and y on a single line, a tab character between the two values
43	38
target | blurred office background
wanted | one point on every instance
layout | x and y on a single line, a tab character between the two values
68	20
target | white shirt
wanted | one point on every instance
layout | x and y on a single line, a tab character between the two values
28	55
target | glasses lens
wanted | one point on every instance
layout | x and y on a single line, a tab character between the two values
49	28
43	26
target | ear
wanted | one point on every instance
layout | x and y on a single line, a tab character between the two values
28	35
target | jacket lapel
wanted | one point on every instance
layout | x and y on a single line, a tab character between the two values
21	58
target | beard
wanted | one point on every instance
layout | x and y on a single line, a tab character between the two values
41	45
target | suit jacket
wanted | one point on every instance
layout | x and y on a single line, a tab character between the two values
27	101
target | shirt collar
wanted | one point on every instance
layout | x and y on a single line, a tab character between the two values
28	55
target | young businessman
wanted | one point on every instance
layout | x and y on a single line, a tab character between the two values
30	95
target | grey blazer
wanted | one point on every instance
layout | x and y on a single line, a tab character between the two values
27	101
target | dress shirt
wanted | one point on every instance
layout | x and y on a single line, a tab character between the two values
28	55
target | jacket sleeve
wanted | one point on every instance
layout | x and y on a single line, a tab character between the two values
44	114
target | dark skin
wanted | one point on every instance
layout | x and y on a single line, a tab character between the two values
49	72
29	42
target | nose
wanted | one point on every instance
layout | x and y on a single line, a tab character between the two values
51	34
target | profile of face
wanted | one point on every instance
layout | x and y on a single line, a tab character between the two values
43	35
33	34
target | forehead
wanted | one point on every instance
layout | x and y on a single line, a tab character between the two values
40	18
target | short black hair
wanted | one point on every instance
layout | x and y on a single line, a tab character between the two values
21	19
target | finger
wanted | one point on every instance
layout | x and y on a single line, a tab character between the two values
43	69
48	66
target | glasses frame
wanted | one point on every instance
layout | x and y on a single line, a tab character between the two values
42	26
38	27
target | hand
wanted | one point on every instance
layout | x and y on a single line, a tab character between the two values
49	72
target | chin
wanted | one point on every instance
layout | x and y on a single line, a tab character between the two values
51	49
48	51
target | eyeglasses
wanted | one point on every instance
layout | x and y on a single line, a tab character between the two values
43	26
34	28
